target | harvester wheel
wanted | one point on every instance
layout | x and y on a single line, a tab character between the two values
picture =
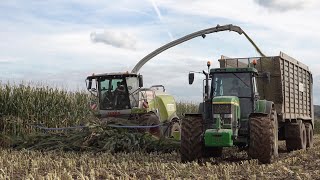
298	137
309	131
191	146
175	130
263	143
150	119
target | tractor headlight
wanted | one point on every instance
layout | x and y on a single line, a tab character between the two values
228	116
227	121
216	116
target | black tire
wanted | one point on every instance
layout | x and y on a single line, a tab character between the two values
263	143
309	132
298	137
150	119
212	152
191	146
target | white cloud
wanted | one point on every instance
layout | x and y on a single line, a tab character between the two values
114	38
283	5
56	47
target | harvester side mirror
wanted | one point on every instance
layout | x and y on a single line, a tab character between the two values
89	85
140	80
191	78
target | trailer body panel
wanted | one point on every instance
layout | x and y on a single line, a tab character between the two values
283	80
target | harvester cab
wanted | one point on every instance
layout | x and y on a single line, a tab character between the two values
119	98
116	92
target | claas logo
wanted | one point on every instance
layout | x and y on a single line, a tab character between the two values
114	113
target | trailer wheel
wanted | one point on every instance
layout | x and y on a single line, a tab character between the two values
191	146
298	137
309	132
150	119
263	143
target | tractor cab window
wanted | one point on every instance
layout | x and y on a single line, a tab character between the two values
231	84
114	94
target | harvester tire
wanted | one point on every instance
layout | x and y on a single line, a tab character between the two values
263	143
191	146
309	132
298	137
174	127
150	119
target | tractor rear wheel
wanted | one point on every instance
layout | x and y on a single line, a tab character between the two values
191	146
298	137
150	119
309	131
263	143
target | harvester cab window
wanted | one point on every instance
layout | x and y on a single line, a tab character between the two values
133	86
113	94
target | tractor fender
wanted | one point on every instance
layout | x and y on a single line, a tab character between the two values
263	107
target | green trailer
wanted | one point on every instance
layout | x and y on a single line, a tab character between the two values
251	103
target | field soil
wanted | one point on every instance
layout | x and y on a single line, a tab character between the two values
234	164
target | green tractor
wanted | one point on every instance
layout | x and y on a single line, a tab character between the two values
121	101
248	104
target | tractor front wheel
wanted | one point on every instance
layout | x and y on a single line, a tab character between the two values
263	143
191	147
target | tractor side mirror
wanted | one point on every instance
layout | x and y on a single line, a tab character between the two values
140	80
265	76
191	78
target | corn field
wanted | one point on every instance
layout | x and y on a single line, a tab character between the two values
100	153
24	105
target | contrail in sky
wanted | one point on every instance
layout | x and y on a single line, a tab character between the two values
155	7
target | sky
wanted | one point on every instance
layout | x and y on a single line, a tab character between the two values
58	43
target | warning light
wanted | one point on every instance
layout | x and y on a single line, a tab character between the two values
254	62
208	63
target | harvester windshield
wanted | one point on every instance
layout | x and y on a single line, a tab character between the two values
114	93
232	84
